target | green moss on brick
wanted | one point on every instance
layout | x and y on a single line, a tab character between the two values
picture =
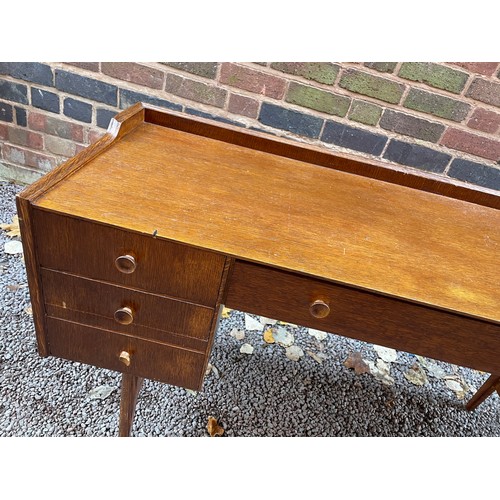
437	105
383	67
317	71
371	86
317	99
365	112
435	75
206	69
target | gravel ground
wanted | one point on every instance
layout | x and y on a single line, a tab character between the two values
259	394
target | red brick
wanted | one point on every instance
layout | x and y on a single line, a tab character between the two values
483	68
195	90
25	157
242	105
484	120
472	144
54	126
23	137
252	80
3	132
89	66
134	73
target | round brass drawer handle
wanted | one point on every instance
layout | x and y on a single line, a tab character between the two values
124	316
319	309
124	357
126	264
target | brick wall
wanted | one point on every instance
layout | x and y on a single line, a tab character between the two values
439	117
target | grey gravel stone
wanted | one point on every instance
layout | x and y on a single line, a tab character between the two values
262	394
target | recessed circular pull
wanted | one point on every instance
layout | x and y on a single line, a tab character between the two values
319	309
124	316
126	263
124	357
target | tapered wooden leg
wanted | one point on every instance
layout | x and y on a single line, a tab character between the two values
131	385
484	392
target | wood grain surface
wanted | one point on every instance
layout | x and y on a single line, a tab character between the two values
102	348
89	250
69	294
292	215
365	316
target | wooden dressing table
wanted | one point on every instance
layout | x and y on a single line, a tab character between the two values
133	246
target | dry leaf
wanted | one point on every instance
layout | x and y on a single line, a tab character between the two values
191	392
283	337
318	334
101	392
12	229
287	324
457	385
211	368
13	247
213	427
433	369
237	334
381	371
246	349
356	362
267	321
294	352
385	353
318	357
225	312
28	310
268	336
252	324
416	375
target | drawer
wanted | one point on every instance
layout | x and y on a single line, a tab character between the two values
118	308
91	250
125	354
365	316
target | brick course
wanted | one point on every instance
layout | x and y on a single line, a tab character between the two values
438	117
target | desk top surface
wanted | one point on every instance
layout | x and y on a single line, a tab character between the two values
289	214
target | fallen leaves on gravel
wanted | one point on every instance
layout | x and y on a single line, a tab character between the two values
356	362
283	337
237	334
319	357
267	321
246	349
457	385
294	352
225	312
13	247
101	392
381	371
212	369
12	230
252	324
318	334
385	353
433	369
416	374
213	427
268	336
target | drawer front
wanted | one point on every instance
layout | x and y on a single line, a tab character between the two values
110	350
119	308
364	316
144	262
